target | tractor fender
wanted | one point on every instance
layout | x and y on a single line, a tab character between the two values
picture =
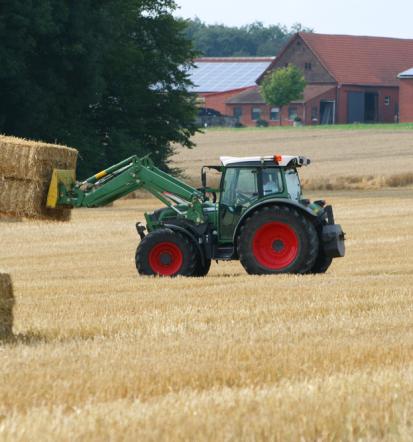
273	201
190	236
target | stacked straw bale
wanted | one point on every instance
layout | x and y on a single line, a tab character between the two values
6	306
25	172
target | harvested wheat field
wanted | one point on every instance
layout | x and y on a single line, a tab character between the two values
103	354
343	157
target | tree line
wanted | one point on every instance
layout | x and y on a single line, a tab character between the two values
255	39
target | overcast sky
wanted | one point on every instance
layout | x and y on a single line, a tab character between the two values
358	17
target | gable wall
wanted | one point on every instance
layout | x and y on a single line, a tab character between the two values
298	53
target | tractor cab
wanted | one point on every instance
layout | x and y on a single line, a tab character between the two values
248	181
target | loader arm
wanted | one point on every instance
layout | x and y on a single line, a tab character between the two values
121	179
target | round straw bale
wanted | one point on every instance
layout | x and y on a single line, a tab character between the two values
6	306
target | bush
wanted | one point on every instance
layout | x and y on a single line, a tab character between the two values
261	123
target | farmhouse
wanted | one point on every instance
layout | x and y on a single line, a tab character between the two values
218	79
350	79
406	96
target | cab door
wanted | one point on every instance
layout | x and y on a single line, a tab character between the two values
239	191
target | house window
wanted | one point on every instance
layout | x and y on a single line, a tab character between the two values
308	66
237	112
274	113
255	113
387	101
292	113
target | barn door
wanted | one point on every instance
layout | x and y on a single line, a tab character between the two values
355	107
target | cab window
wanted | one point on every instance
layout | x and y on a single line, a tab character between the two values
293	184
271	181
240	186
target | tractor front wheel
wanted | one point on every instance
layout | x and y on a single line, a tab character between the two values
277	239
201	270
165	253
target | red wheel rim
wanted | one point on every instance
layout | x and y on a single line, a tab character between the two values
275	245
165	258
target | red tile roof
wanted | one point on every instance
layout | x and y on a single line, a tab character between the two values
362	60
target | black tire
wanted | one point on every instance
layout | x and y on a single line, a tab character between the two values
201	270
322	262
165	253
277	239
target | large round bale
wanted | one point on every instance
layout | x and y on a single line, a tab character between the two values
25	172
6	306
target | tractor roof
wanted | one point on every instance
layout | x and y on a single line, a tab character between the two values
278	160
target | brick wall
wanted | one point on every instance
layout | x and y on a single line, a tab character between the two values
406	100
386	113
247	120
217	100
315	104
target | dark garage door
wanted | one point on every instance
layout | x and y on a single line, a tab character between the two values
356	110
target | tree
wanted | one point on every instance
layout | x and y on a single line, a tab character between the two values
282	86
254	39
109	78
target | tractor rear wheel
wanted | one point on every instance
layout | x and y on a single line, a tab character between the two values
322	262
277	239
165	253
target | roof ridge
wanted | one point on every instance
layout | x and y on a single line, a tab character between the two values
301	33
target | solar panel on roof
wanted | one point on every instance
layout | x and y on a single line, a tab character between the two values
224	76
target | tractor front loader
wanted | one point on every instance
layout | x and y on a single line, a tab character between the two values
260	219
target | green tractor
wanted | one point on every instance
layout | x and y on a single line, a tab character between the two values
257	216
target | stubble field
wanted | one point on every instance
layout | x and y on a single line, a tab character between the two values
102	354
343	158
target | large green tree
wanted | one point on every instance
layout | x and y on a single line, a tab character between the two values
282	86
108	77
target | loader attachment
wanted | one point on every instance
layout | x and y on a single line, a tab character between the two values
60	178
